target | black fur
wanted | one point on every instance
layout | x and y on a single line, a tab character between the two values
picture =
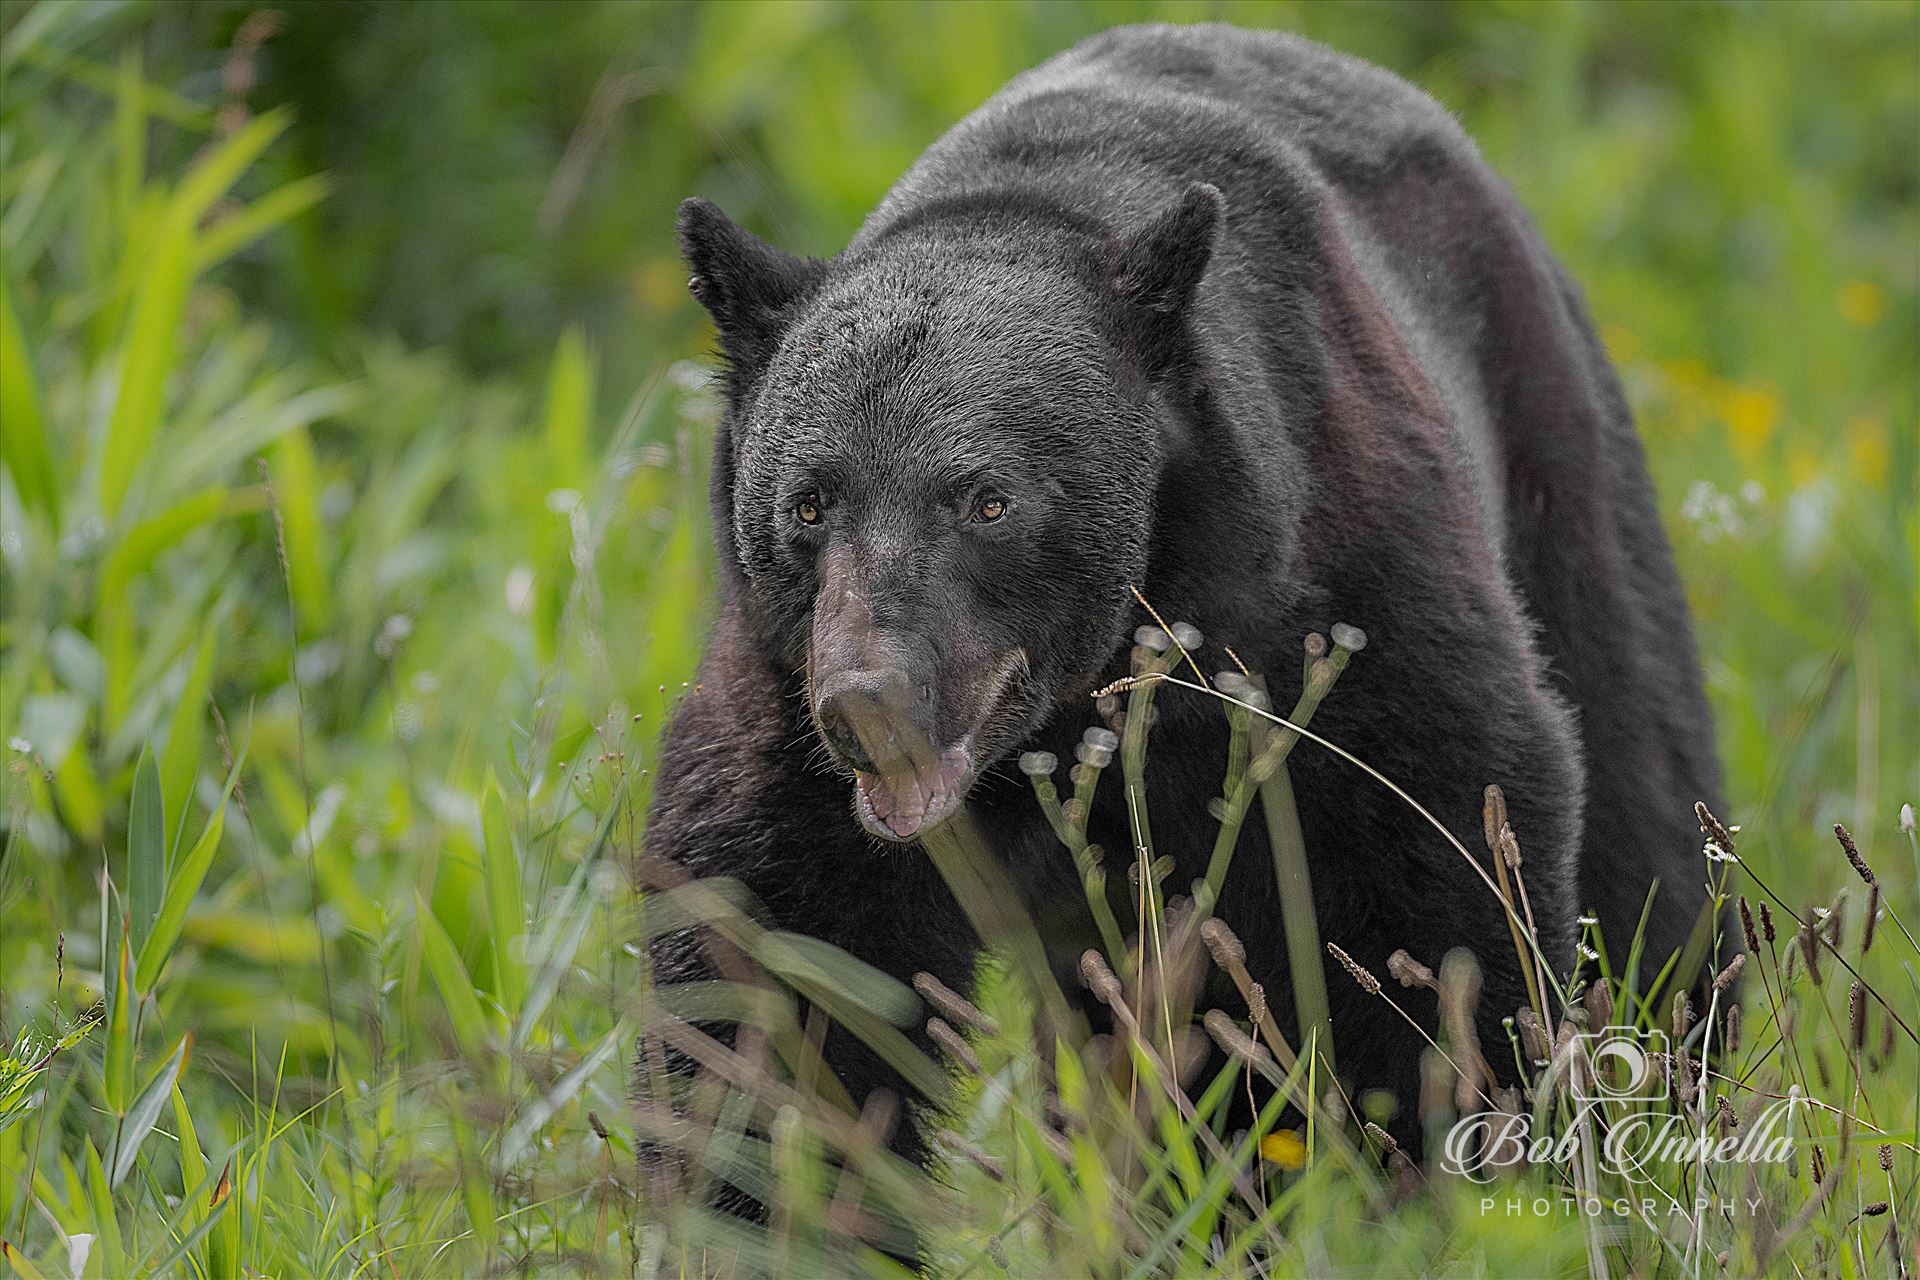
1248	324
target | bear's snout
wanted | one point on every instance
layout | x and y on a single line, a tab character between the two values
862	714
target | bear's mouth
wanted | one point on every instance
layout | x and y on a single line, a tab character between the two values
899	803
914	787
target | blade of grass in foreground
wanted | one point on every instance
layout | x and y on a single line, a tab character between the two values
506	910
23	445
145	1113
450	975
146	849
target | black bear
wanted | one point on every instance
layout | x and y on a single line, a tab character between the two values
1247	325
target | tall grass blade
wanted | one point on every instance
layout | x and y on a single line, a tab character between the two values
23	444
506	910
22	1267
181	886
237	230
129	135
562	942
450	975
1304	964
119	1067
186	735
297	486
221	166
215	1216
151	349
145	1112
535	1117
146	848
150	353
107	1247
223	1246
569	409
193	1161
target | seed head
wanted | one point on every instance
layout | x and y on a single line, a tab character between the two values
1368	983
1038	764
973	1155
1712	828
1493	816
1223	944
1348	637
1810	950
1857	1014
1731	974
1092	757
1766	923
1860	866
1235	1042
1746	924
1099	977
1510	847
1599	1003
1684	1080
956	1046
1315	645
952	1004
1410	972
1152	639
1533	1036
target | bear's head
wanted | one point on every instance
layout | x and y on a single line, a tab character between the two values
934	484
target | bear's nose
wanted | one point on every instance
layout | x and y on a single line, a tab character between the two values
864	713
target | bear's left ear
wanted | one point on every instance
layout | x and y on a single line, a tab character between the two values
1157	268
749	287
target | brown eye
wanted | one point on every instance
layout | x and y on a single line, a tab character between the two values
808	509
990	510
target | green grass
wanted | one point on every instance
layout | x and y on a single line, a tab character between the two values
352	528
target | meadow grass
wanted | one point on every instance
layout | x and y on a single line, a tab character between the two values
333	669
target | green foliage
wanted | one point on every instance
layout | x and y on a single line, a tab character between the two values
348	579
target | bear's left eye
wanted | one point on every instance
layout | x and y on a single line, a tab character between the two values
990	509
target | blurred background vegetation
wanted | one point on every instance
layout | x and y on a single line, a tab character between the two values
355	422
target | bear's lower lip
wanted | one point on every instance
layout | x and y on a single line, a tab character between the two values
899	804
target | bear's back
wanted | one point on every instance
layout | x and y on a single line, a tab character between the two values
1115	123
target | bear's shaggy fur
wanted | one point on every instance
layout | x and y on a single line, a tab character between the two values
1250	325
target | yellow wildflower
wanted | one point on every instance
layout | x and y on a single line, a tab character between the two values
1862	303
1285	1148
1751	413
1867	444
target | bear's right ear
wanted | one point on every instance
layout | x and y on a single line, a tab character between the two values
749	287
1155	270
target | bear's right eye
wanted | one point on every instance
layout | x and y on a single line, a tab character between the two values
807	510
